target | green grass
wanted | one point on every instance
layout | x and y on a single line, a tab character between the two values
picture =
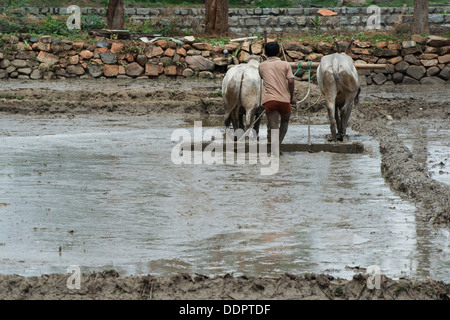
216	42
372	38
11	96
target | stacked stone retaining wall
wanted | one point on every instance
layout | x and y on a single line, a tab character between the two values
421	60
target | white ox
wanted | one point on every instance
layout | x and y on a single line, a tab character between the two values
338	81
241	92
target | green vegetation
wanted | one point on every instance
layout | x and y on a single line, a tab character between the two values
11	96
190	3
17	20
338	292
373	38
216	42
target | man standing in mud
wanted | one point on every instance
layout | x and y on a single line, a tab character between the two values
277	91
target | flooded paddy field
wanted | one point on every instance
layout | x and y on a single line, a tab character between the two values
97	188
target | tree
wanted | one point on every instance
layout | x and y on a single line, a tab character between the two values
216	17
115	15
420	19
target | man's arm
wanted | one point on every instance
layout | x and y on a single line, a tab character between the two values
291	87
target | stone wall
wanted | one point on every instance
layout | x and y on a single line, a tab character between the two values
273	20
422	60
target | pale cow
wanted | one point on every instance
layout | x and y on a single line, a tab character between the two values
338	81
241	92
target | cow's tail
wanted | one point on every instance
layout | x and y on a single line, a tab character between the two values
241	81
335	68
356	100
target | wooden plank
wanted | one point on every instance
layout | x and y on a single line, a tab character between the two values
314	65
339	147
121	34
137	35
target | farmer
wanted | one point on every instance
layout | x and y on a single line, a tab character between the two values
277	91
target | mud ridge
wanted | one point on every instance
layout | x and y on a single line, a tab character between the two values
126	102
108	285
401	170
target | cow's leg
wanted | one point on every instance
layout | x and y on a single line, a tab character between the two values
228	112
337	118
249	116
345	115
235	118
228	121
241	118
331	116
258	112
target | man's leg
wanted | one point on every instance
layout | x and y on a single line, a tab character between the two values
272	122
284	125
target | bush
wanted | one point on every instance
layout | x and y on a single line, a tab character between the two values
92	21
13	20
50	25
17	20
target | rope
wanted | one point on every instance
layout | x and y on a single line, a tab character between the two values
299	67
308	68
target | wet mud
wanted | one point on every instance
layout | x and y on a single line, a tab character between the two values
380	114
105	97
109	285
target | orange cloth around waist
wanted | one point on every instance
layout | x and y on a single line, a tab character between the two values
281	107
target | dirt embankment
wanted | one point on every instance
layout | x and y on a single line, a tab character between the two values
109	285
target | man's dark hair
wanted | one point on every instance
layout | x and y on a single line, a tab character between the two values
272	49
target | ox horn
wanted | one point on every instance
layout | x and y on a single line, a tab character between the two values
350	44
337	44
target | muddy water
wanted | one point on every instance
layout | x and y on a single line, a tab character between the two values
102	192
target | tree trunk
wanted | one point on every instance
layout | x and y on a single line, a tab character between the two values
115	14
420	20
216	17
